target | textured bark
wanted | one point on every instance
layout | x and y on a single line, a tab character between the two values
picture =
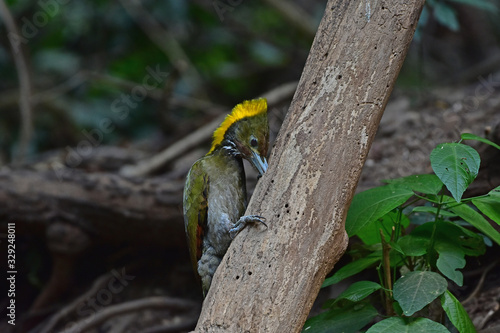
109	208
269	278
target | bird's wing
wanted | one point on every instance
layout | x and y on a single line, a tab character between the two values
196	210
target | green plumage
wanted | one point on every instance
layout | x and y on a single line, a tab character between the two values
216	200
215	196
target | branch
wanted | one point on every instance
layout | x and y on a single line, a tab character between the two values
156	302
269	278
25	103
194	139
10	97
98	284
112	208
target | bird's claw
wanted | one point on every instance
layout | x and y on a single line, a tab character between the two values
243	221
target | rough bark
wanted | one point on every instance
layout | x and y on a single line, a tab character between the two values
110	208
269	278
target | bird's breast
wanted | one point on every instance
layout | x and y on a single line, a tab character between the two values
226	204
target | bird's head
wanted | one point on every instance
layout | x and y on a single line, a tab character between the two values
245	132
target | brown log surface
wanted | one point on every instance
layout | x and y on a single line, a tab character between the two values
110	208
269	278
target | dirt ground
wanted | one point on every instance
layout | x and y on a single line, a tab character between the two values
414	125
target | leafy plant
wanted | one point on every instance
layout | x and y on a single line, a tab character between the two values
414	264
444	12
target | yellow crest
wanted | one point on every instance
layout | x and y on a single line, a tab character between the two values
243	110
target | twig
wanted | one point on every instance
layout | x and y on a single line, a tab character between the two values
132	306
192	140
492	329
164	157
68	309
386	248
280	93
60	89
124	84
488	316
481	282
155	93
186	325
475	72
11	97
25	103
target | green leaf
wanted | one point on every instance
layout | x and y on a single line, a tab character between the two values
477	220
400	325
370	234
427	184
397	308
415	290
352	268
446	15
433	210
347	320
469	136
456	313
456	165
481	4
370	205
470	242
419	218
490	205
396	247
359	291
451	258
414	246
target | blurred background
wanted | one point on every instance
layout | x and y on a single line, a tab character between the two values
104	106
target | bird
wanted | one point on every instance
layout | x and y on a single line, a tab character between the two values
215	196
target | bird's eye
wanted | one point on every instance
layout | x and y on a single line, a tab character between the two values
253	142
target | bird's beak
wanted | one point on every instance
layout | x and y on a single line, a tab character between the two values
259	162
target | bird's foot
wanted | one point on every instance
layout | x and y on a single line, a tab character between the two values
243	221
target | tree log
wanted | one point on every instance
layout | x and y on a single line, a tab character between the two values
269	278
110	208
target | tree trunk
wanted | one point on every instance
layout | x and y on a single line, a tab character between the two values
269	278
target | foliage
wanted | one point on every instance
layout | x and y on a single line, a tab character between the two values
444	12
415	258
86	56
90	59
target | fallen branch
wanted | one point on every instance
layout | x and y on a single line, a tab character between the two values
479	285
158	302
152	164
98	284
109	207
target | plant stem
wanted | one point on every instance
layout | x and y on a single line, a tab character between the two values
386	262
397	232
417	198
434	227
463	201
426	198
